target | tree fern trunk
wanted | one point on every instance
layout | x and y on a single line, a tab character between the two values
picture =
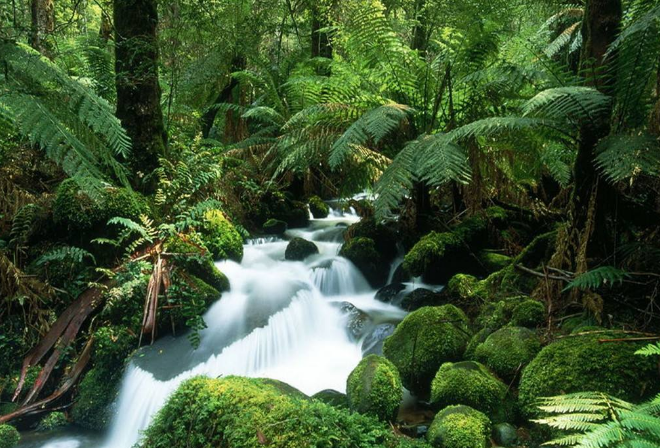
43	25
138	91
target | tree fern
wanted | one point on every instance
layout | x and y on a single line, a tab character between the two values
621	157
649	350
577	104
598	277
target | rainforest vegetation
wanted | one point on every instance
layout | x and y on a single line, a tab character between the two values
492	168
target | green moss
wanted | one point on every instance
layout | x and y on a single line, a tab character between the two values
459	427
363	254
77	212
299	248
275	227
221	238
496	314
383	236
374	387
508	350
494	261
235	412
466	288
332	397
52	421
468	383
582	363
530	313
9	436
429	250
478	338
318	208
425	340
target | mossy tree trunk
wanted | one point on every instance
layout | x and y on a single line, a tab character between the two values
43	25
138	91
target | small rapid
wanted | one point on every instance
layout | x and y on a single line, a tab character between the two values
281	319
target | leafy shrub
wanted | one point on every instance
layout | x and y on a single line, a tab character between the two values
374	388
52	421
9	436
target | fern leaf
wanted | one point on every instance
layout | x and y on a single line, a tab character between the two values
598	277
621	157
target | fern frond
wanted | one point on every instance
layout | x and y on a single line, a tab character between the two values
649	350
598	277
60	254
578	104
621	157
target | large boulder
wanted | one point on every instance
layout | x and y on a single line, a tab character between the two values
363	254
9	436
471	384
374	387
425	340
221	237
581	363
190	254
235	412
389	293
275	227
357	321
459	427
318	208
299	248
383	236
508	350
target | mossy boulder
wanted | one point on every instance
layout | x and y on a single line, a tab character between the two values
275	227
469	383
529	313
332	397
498	313
363	254
494	261
52	421
508	350
318	208
465	289
459	427
9	436
583	363
425	340
299	248
192	255
374	387
478	338
384	237
78	213
439	255
221	237
235	412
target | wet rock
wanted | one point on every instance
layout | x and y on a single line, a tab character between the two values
505	434
275	227
318	208
363	254
373	342
419	298
298	249
357	321
389	292
400	274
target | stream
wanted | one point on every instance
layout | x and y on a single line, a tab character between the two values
298	322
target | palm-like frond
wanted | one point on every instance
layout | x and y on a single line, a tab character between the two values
574	104
622	157
598	277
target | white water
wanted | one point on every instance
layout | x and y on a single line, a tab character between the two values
280	320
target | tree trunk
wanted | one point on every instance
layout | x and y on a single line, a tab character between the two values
420	33
226	95
105	30
320	40
43	25
138	91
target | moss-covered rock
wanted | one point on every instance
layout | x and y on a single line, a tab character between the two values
498	313
332	397
468	383
9	436
78	213
508	350
374	387
438	256
275	227
478	338
236	412
192	255
221	238
52	421
466	288
383	236
363	254
425	340
530	313
299	248
318	208
494	261
459	427
583	363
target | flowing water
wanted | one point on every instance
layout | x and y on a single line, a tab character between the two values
291	321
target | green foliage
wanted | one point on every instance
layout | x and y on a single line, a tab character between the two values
221	237
580	363
65	254
425	340
597	278
52	421
508	350
468	383
649	350
594	419
459	427
76	128
9	436
374	388
242	413
621	157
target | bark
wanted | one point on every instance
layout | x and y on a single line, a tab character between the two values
226	95
105	30
138	91
43	25
420	34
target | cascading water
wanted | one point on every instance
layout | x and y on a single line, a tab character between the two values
283	320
